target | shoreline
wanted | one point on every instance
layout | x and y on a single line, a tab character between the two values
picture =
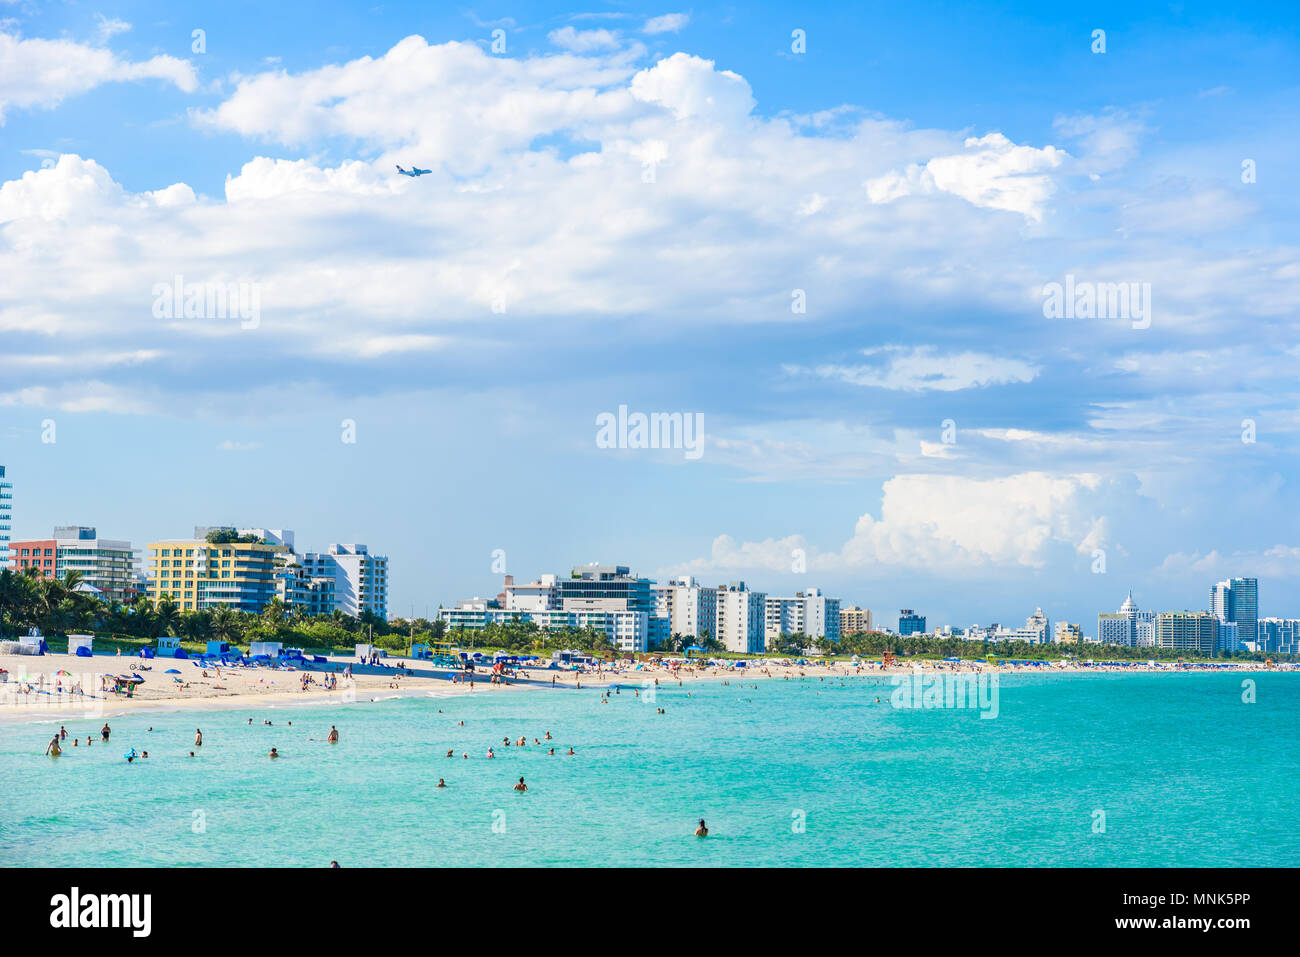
196	689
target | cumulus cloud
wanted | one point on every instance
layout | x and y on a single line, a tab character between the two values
990	171
37	73
945	522
692	87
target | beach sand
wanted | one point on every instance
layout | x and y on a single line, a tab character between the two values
34	686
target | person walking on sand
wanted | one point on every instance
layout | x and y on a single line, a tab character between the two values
521	786
701	831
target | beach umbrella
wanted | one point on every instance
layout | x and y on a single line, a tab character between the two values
64	672
171	671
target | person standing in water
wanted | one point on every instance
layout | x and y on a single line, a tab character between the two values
521	786
104	732
333	736
701	831
198	738
53	749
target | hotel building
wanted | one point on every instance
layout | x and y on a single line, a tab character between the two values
687	608
360	580
1130	626
1068	634
606	597
854	620
198	574
742	618
1194	631
107	566
1237	600
808	612
910	623
6	517
1281	635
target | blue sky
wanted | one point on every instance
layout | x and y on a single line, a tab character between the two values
622	207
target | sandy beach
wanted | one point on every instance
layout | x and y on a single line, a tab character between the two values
36	686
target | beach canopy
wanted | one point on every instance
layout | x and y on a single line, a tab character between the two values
84	652
172	671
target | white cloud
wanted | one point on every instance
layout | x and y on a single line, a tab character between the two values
107	29
945	522
922	369
991	172
691	87
585	41
44	73
668	23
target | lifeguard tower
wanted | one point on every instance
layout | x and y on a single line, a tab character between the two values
444	654
695	653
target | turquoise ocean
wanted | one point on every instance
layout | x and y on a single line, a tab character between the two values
1090	770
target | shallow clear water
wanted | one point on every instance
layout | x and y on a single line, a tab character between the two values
1185	772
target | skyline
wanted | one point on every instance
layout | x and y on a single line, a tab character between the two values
883	616
621	212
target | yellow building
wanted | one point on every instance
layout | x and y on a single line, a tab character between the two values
198	574
854	619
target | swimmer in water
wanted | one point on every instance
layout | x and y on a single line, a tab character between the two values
521	786
701	831
441	783
491	753
451	753
570	750
274	753
552	751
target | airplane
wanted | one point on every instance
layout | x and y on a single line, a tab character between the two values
413	171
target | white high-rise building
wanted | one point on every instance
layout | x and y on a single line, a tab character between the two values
690	609
6	516
741	618
808	612
360	579
1130	626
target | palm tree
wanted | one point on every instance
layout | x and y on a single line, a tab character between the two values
196	625
168	617
225	624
